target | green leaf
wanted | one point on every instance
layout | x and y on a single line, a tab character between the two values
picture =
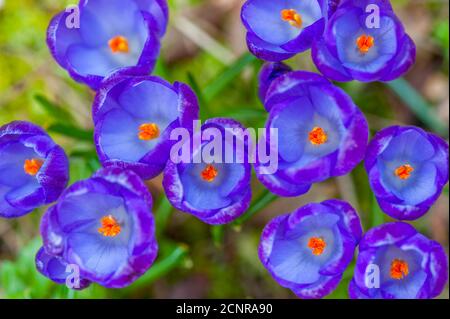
418	105
225	78
204	111
79	169
246	113
55	111
162	215
20	279
441	36
377	215
445	191
72	132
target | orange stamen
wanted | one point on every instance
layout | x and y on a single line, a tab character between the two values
293	17
110	227
148	131
404	171
210	173
119	44
317	245
399	269
32	166
364	43
317	136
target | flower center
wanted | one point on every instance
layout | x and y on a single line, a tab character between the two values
404	171
119	44
32	166
293	17
364	43
317	136
399	269
148	131
317	245
110	226
209	174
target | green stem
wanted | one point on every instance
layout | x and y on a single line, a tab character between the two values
264	199
217	233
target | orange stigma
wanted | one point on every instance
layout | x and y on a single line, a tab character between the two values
399	269
119	44
317	245
148	131
110	227
32	166
317	136
364	43
404	171
293	17
210	173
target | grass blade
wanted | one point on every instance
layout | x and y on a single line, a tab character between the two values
377	216
162	215
53	110
264	199
72	132
418	105
204	111
225	78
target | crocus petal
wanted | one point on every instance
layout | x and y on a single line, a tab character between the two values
426	263
86	55
124	103
22	191
303	104
285	252
411	197
338	57
223	198
113	260
271	38
55	268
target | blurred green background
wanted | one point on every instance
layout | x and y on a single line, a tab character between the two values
205	47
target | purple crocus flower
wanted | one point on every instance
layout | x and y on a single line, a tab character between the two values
397	262
268	73
277	30
407	169
103	225
308	250
216	192
33	169
358	44
98	37
134	117
321	133
56	269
